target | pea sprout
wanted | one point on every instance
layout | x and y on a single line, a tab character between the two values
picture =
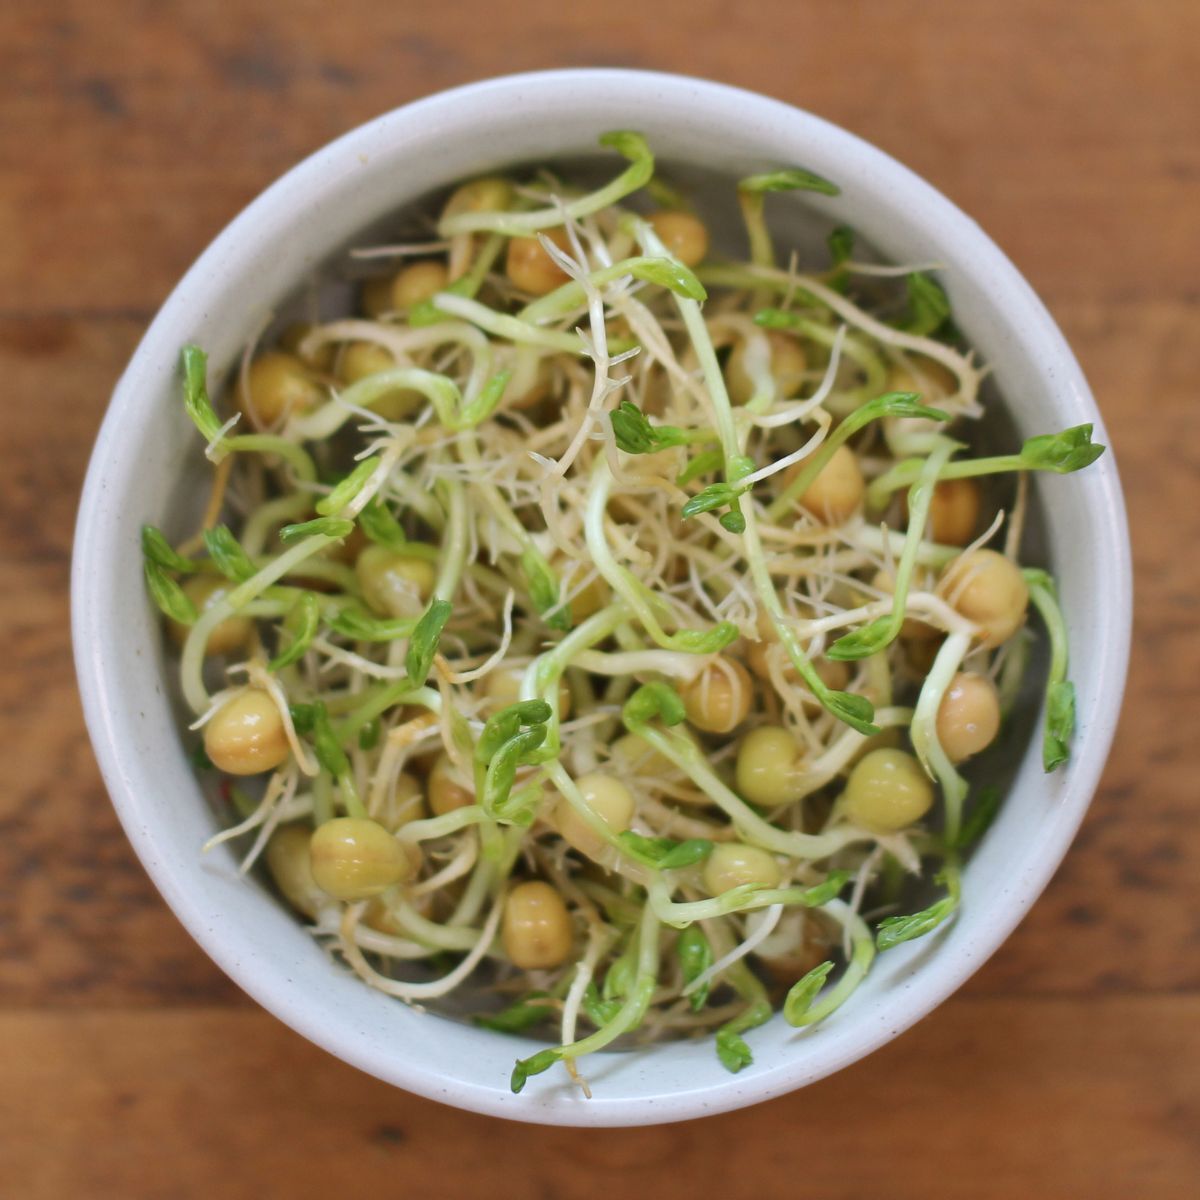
557	598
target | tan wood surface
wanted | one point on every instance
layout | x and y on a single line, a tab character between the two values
130	133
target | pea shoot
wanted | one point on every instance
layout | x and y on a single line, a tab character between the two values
612	629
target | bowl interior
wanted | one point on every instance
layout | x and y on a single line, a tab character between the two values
147	468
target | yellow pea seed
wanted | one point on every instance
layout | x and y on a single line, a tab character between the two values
231	635
361	360
732	864
536	928
394	585
718	699
246	736
913	628
287	858
887	791
926	376
355	857
684	235
279	385
530	269
629	756
375	296
832	672
987	589
836	494
446	793
488	194
293	336
585	600
788	364
609	799
968	717
769	767
417	282
953	511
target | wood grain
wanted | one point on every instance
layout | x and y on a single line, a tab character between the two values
992	1099
130	133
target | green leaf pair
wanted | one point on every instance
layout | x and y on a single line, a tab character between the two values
300	625
335	528
227	554
527	1012
665	854
635	435
423	643
796	179
695	954
545	591
653	700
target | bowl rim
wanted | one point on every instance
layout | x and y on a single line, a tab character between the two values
95	549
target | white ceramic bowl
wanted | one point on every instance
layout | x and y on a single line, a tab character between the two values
144	468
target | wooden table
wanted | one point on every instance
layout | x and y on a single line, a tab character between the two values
130	133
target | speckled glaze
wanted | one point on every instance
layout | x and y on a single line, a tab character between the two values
144	469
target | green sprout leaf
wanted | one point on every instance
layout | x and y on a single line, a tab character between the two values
1070	450
841	244
487	401
545	590
330	527
634	147
982	814
896	404
503	726
348	488
361	626
856	711
864	642
665	854
1060	692
1060	724
168	595
732	1050
734	521
894	930
716	495
621	975
368	735
671	274
706	641
635	435
502	770
599	1010
509	741
804	992
426	312
695	954
227	554
378	523
796	179
329	752
653	700
300	625
703	463
826	890
423	644
156	549
534	1065
195	393
304	717
527	1012
928	305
